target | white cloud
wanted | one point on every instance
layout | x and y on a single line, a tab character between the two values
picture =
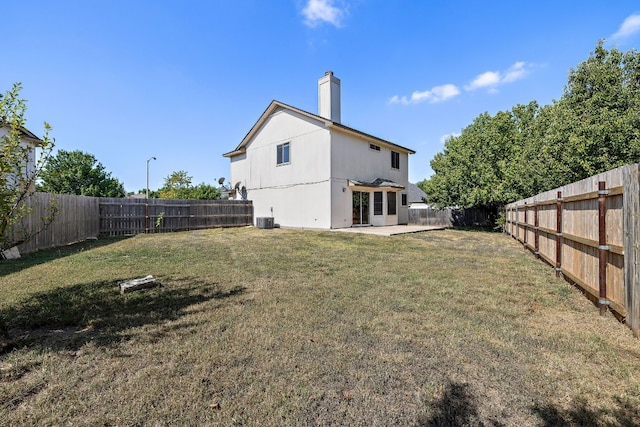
319	11
629	27
445	138
487	79
515	72
436	94
492	79
444	92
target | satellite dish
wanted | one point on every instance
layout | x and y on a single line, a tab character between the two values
221	181
237	186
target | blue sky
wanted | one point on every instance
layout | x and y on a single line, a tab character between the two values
184	81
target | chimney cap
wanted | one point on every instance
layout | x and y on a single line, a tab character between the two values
328	73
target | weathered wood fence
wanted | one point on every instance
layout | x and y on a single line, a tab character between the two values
452	217
426	215
74	221
79	218
134	216
589	231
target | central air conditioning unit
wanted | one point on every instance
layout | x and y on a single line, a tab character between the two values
264	222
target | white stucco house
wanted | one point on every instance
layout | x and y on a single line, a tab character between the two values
29	141
310	171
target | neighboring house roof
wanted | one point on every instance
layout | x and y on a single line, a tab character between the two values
415	194
26	134
136	196
275	105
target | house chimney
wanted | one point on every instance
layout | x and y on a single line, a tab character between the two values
329	97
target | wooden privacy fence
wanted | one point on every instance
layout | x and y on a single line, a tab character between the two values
74	221
452	217
589	231
426	215
79	217
134	216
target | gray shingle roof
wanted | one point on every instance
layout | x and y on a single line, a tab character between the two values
377	183
415	194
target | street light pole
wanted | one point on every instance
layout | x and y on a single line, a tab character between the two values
152	158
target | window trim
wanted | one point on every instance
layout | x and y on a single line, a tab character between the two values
395	160
378	204
392	206
280	154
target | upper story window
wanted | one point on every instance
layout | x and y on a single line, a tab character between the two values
283	154
395	160
374	147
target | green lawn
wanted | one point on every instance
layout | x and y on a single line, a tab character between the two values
280	327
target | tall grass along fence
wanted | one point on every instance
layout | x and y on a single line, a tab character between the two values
79	218
589	231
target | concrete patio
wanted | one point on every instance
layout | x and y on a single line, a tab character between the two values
390	230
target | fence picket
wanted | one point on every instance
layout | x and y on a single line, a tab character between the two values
590	234
81	217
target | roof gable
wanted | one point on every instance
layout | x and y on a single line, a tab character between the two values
25	133
275	106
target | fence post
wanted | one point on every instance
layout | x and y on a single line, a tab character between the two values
559	234
631	208
536	237
146	216
506	220
603	249
517	225
526	225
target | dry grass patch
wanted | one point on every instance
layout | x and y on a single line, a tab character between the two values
281	327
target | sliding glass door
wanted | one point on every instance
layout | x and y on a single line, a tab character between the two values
360	208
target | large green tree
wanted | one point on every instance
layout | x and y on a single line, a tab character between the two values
594	127
480	167
80	173
177	185
601	108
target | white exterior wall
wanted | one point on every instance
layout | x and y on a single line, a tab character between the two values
295	194
351	158
30	163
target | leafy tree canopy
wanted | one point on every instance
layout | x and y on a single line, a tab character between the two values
79	173
177	185
594	127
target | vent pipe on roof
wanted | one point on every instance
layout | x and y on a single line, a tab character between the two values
329	97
